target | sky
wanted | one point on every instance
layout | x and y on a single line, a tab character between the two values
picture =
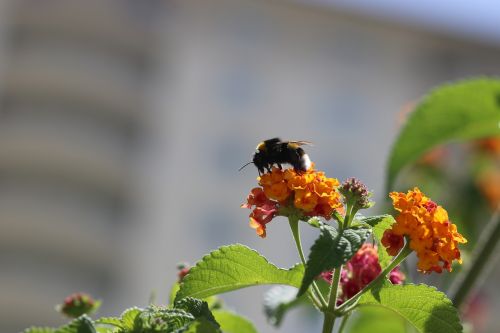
478	19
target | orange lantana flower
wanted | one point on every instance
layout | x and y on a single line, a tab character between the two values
432	236
311	192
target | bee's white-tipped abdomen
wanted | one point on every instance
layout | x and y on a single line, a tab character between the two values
305	162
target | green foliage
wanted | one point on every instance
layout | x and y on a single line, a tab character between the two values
105	329
198	308
231	322
374	320
234	267
425	308
331	250
162	320
455	112
173	291
213	301
129	317
39	330
199	326
81	324
380	223
191	315
110	321
278	300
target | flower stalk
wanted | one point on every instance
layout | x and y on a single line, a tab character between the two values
483	255
317	297
344	322
330	316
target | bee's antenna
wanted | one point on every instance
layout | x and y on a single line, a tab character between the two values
251	162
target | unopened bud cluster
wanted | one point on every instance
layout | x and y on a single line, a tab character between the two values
78	304
356	192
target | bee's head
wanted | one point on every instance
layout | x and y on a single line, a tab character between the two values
259	160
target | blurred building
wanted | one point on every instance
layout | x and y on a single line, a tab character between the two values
122	125
73	99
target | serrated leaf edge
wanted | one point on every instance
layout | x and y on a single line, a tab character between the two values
213	255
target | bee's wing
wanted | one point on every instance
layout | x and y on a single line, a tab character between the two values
302	143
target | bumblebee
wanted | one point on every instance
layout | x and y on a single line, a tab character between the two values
274	151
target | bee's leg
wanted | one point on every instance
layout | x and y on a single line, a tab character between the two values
279	166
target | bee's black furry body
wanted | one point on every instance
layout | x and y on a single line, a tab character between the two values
274	151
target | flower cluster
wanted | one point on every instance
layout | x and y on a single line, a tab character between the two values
264	211
310	192
78	304
358	272
432	236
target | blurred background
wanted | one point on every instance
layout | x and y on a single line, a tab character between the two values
123	125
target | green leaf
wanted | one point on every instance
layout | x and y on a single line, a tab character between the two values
104	329
39	330
213	301
424	307
332	249
278	300
376	220
199	326
82	324
162	319
129	316
231	322
380	224
375	319
196	307
110	321
173	291
234	267
460	111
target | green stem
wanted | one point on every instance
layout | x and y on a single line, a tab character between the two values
348	214
405	251
314	299
480	258
344	322
329	322
330	316
294	226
